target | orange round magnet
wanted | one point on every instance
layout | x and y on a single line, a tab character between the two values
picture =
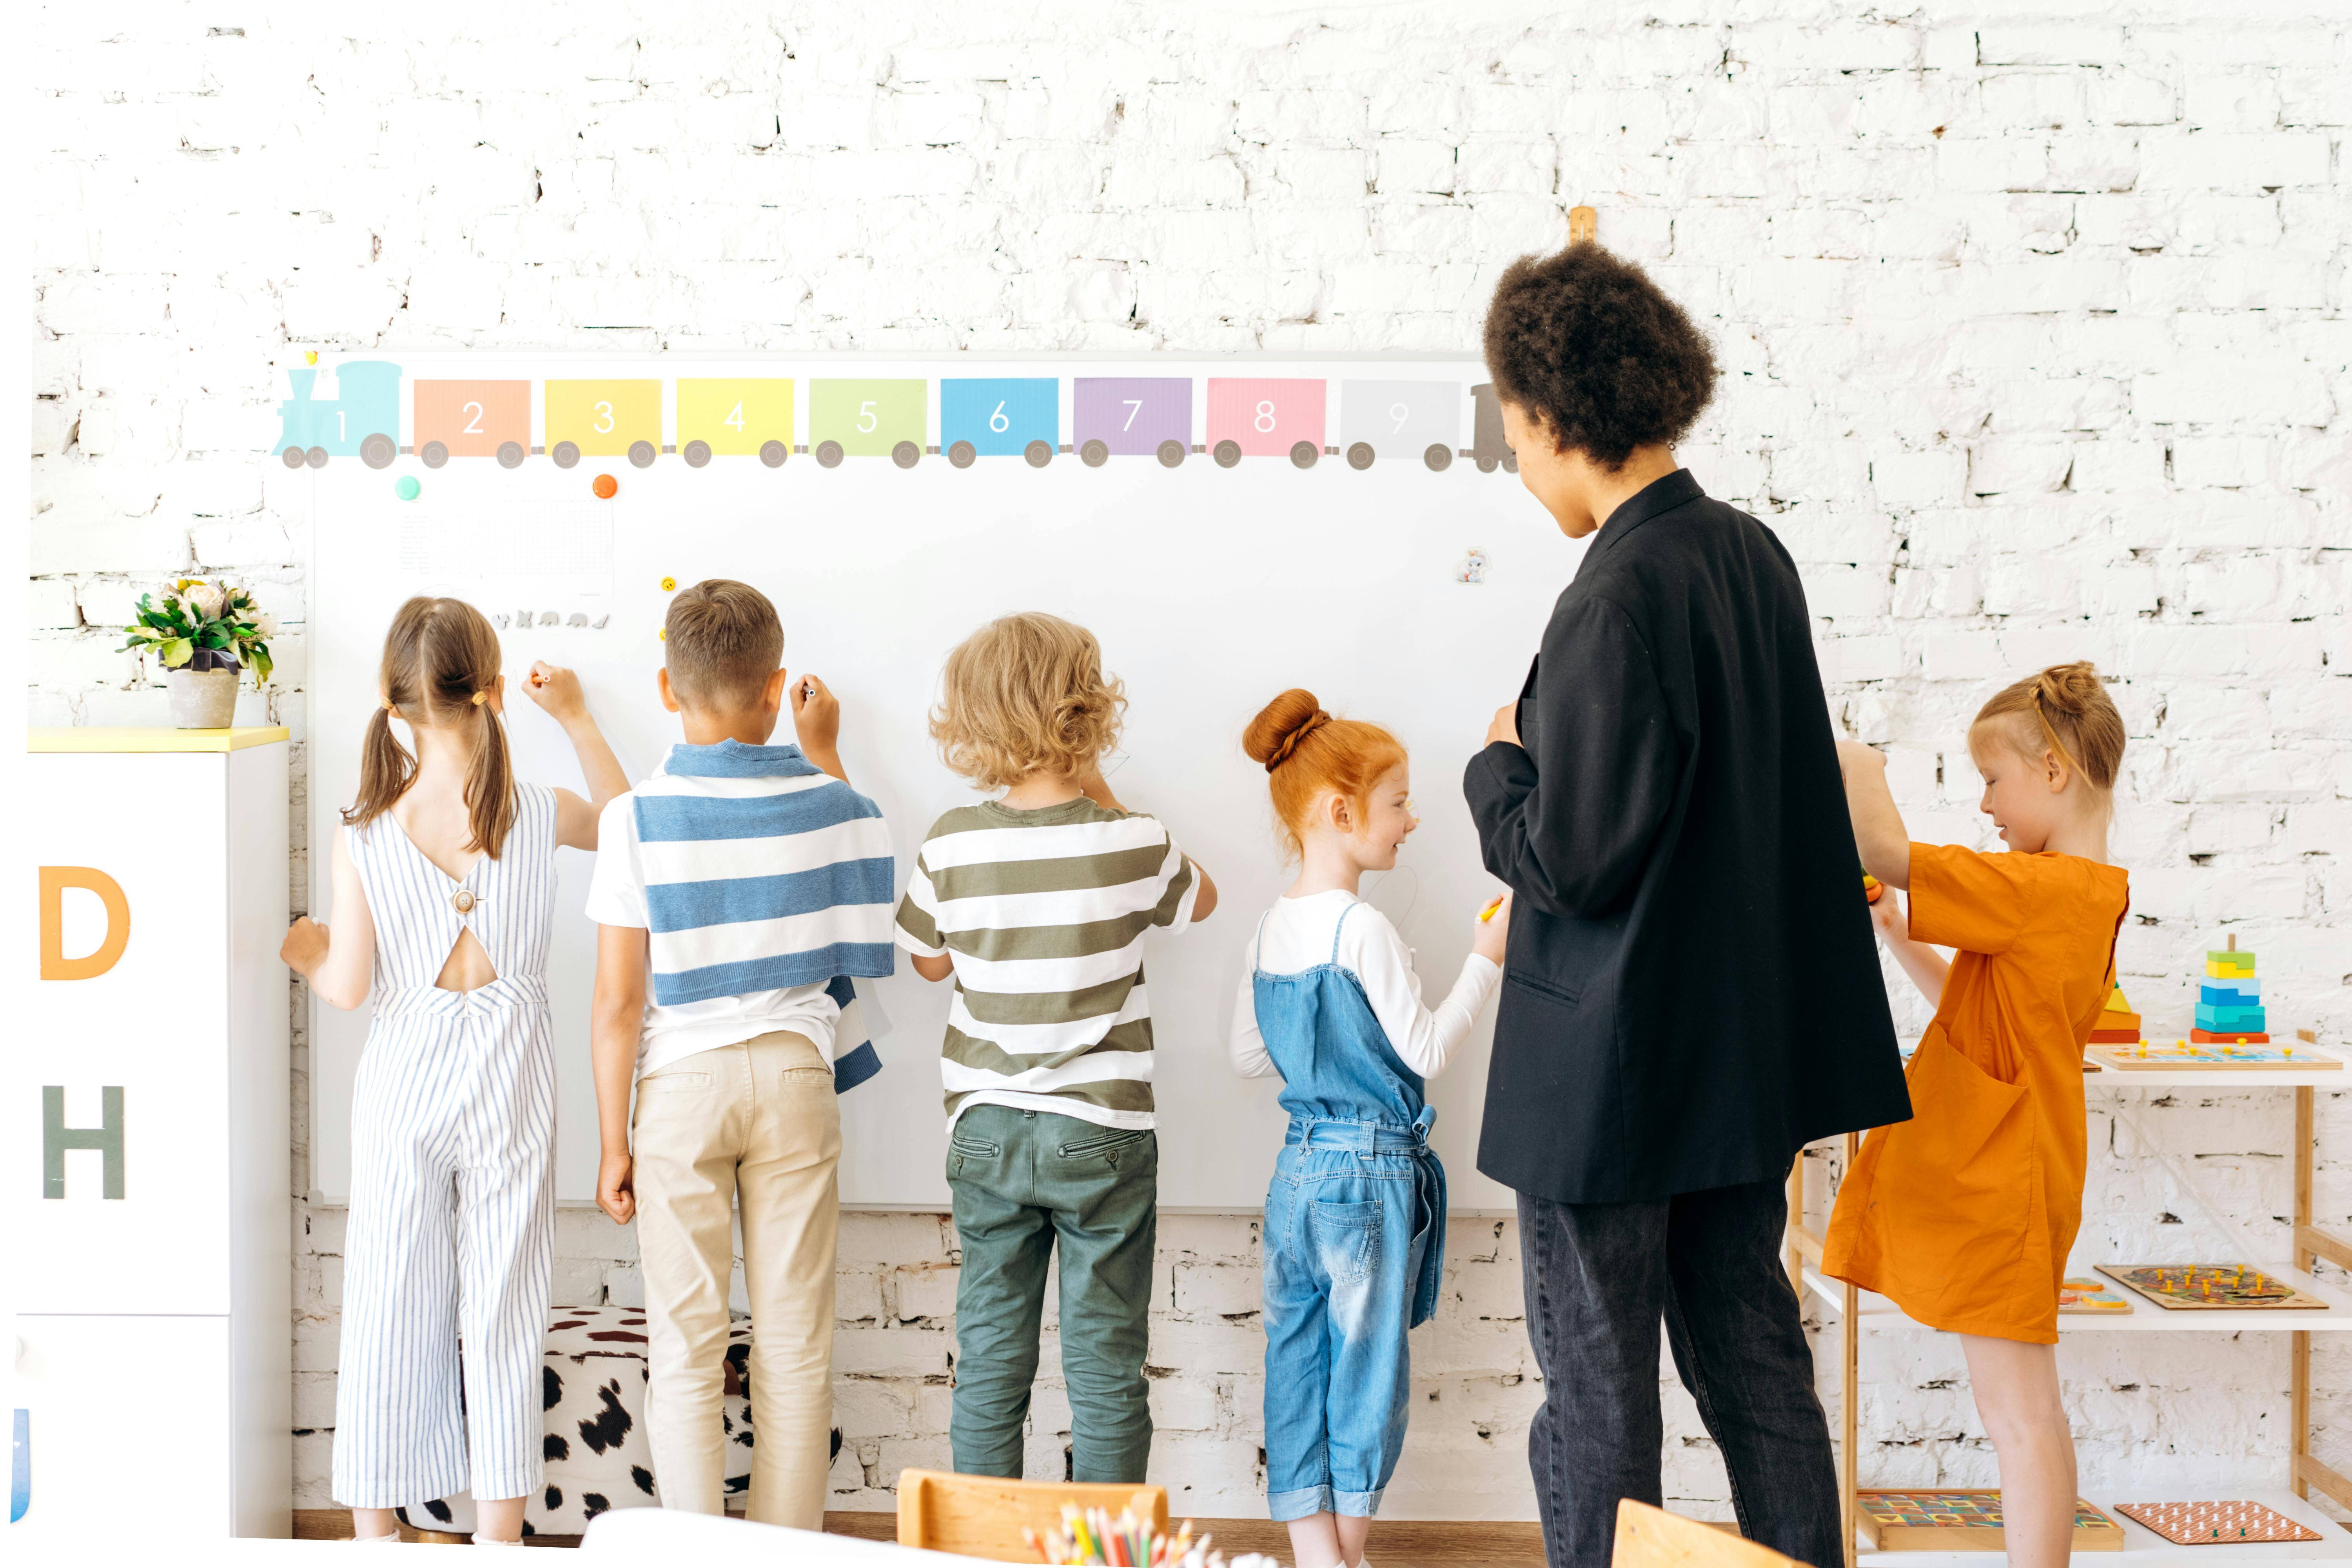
606	487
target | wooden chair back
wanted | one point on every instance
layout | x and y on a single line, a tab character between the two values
982	1516
1651	1538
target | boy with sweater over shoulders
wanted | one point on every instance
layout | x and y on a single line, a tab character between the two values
737	892
1038	904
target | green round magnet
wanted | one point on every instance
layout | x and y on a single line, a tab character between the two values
407	488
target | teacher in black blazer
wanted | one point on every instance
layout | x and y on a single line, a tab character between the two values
1691	991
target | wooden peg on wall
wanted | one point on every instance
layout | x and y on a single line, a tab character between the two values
1583	224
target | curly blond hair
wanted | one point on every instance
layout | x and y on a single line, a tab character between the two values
1026	695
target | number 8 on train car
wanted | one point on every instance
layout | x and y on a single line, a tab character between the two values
1264	417
604	419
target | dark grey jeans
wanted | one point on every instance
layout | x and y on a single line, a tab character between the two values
1600	1278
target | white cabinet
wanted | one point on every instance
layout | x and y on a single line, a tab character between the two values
145	1107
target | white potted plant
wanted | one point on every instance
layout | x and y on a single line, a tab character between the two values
203	632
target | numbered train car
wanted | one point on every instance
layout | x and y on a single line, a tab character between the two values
470	419
1266	416
868	418
1000	416
1487	444
361	420
603	419
735	417
1131	416
1400	419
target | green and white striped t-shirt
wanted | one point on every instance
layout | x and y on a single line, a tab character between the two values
1043	913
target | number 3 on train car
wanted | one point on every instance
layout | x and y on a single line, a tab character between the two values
1264	417
604	419
472	419
867	419
1000	417
735	419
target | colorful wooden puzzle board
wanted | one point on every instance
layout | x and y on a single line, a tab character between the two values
2211	1286
1962	1520
890	505
2093	1297
2216	1523
2191	1057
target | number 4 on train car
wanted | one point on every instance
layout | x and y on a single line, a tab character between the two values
735	417
1264	417
1000	417
363	420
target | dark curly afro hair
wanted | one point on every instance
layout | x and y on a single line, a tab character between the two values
1589	342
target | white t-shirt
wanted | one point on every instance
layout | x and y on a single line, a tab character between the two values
616	897
1296	935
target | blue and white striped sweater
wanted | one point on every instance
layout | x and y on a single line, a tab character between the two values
763	871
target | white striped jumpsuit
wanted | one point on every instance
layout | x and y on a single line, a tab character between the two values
453	1184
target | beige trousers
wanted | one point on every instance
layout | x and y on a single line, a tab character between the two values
757	1120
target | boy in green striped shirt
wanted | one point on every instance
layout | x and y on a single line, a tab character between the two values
1038	903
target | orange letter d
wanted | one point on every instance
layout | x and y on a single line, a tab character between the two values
55	881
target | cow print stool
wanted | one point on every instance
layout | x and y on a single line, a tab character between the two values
593	1381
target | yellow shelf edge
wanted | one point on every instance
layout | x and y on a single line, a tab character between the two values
128	737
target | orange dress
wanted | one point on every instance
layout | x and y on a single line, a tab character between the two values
1964	1214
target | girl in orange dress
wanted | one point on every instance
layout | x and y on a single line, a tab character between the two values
1964	1214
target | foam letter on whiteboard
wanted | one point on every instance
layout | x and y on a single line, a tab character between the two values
57	1138
55	964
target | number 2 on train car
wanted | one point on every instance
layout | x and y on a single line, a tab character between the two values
604	419
472	419
735	417
1264	417
1000	416
867	419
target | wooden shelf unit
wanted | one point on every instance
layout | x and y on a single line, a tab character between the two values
1859	1310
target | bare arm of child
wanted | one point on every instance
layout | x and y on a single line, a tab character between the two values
1926	965
938	968
617	1017
338	958
1878	830
1092	785
1246	1047
557	691
816	722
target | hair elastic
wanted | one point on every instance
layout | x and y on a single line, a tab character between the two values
480	698
390	709
1290	742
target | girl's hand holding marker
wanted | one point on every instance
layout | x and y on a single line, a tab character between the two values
1493	931
557	691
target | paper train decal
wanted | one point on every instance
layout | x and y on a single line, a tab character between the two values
848	416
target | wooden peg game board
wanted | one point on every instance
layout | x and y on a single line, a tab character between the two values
2216	1523
1939	1520
2210	1287
2094	1297
2191	1055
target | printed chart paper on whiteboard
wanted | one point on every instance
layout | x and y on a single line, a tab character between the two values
1228	527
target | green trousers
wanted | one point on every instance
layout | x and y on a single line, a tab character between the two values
1024	1180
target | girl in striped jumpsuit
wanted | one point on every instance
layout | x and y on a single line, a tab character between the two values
444	893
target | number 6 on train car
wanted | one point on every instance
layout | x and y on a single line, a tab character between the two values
1264	417
472	419
604	419
735	417
1000	416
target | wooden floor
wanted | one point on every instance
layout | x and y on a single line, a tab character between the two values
1395	1543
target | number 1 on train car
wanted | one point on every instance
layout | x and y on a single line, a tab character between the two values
867	419
1000	416
604	419
735	417
1266	416
362	419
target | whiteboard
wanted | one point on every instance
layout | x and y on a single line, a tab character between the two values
1212	585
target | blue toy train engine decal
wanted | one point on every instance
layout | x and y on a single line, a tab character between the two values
361	421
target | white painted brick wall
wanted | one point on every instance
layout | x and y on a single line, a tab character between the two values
2035	345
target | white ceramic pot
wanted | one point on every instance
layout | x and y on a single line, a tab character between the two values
203	699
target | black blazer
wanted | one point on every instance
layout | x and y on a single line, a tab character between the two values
1693	989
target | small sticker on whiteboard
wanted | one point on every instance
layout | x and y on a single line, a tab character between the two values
1473	567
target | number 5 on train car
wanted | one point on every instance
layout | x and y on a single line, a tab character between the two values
1000	416
733	418
1263	416
867	419
472	419
604	419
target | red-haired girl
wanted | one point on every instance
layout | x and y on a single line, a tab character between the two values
1355	1217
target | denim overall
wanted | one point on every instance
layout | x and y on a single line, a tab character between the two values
1355	1242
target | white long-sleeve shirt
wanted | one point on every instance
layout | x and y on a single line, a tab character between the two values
1296	935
